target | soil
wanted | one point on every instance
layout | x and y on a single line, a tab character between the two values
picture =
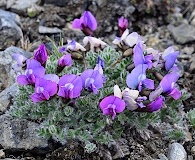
147	18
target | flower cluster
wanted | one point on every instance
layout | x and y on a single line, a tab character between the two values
142	93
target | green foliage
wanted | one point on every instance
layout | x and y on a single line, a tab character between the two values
81	118
176	134
191	117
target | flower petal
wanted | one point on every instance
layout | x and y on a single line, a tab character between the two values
168	81
133	78
76	24
22	80
170	60
155	105
175	93
90	20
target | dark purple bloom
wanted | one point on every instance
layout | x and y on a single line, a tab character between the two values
70	86
87	23
170	56
138	56
41	54
111	105
137	78
65	60
153	106
92	80
34	70
123	24
44	89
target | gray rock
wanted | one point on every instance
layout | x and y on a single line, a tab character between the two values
129	10
10	32
2	3
8	74
19	134
57	2
49	30
6	95
176	152
183	33
21	6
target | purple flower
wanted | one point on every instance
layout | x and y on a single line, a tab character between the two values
138	56
41	54
101	62
99	66
70	86
44	89
167	86
111	105
137	78
170	56
34	70
153	106
65	60
92	80
123	24
87	23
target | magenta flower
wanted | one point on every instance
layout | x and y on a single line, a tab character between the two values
137	78
87	23
153	106
123	24
34	70
70	86
41	54
44	89
111	105
138	56
92	80
65	60
167	86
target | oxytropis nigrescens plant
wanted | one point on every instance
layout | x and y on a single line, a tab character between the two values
92	92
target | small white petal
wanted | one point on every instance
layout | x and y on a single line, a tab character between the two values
117	91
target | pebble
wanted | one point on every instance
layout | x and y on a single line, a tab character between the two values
183	33
49	30
176	152
2	154
193	150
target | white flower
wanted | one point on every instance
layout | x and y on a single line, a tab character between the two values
93	42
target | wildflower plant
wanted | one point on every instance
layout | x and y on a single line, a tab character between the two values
93	92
